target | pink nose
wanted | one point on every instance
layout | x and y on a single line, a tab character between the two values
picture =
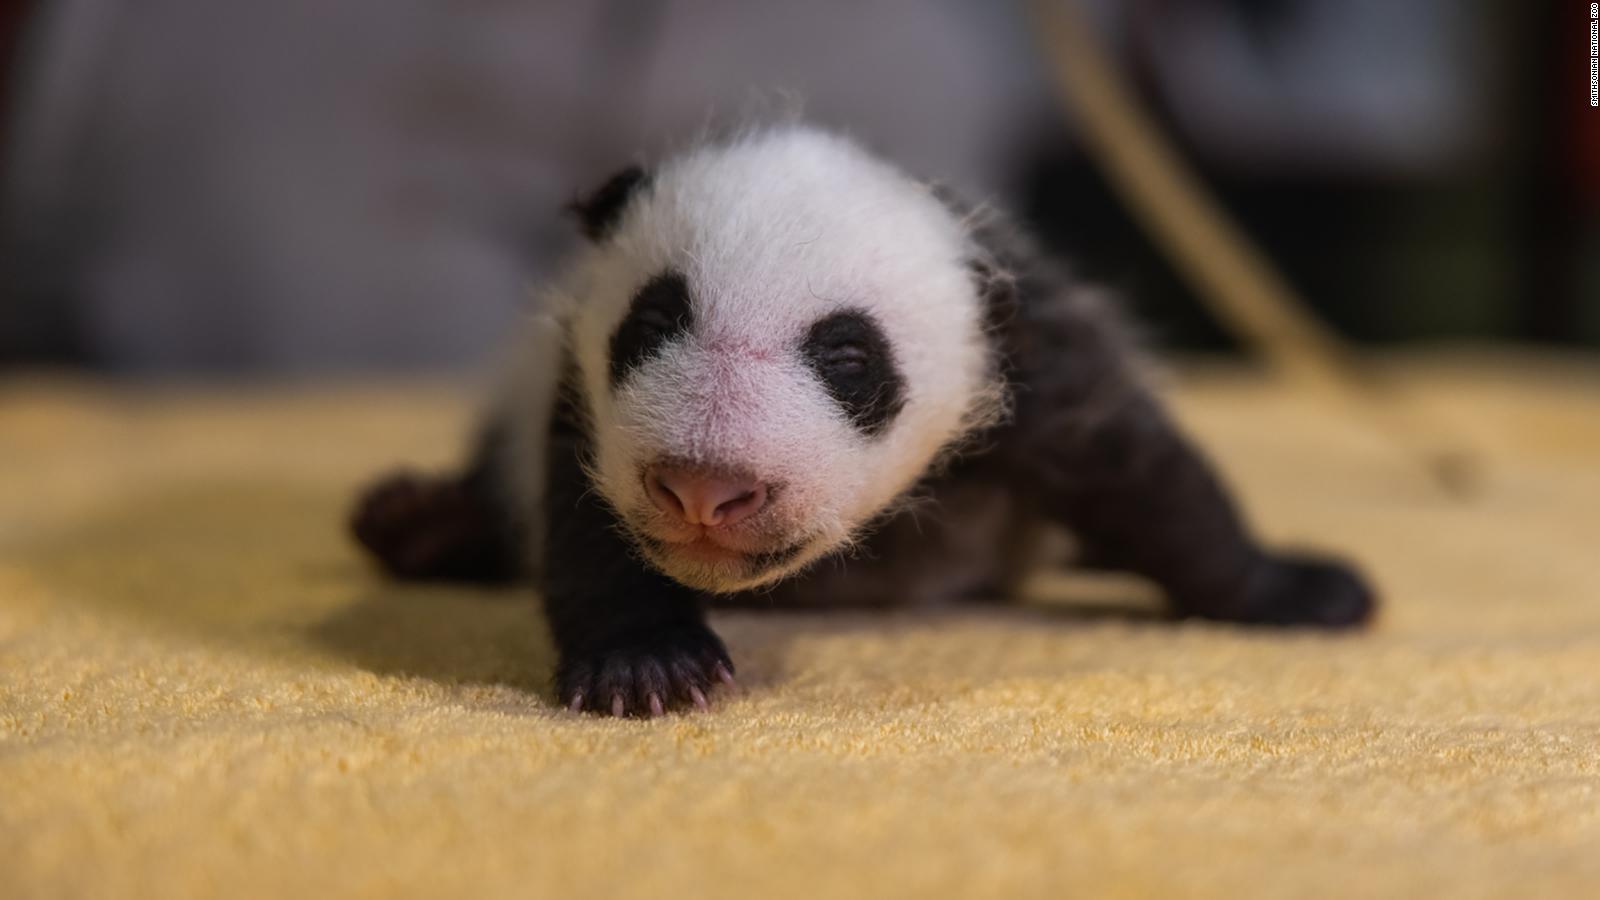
699	497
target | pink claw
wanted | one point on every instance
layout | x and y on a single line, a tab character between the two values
616	705
698	698
655	706
724	676
576	703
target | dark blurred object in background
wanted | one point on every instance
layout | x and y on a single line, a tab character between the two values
221	185
1410	165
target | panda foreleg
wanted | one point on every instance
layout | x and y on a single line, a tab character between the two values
630	641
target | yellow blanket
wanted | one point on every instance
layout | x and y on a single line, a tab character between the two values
205	692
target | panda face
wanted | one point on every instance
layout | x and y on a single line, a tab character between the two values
775	338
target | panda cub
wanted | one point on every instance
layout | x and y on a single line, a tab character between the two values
783	373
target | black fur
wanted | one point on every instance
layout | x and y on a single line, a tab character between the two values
1090	447
660	311
599	212
849	352
1087	446
444	527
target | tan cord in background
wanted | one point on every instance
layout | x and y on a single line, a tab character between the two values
1237	283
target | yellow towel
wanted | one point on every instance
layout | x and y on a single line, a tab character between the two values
205	692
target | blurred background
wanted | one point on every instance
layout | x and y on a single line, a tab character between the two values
301	186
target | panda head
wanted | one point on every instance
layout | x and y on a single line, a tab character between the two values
775	337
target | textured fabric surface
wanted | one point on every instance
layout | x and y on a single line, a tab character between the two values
205	692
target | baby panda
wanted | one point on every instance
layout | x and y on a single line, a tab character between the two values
783	373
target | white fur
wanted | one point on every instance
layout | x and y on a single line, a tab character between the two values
523	403
775	229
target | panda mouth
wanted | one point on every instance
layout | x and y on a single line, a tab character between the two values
706	550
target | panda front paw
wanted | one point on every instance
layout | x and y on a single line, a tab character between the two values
1293	589
645	673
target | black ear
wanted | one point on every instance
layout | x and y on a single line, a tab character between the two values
599	212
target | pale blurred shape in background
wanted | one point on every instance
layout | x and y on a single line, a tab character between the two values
226	185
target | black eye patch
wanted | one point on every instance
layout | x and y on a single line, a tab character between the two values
851	355
660	312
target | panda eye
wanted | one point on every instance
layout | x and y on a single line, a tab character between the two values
654	322
848	359
853	359
660	312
